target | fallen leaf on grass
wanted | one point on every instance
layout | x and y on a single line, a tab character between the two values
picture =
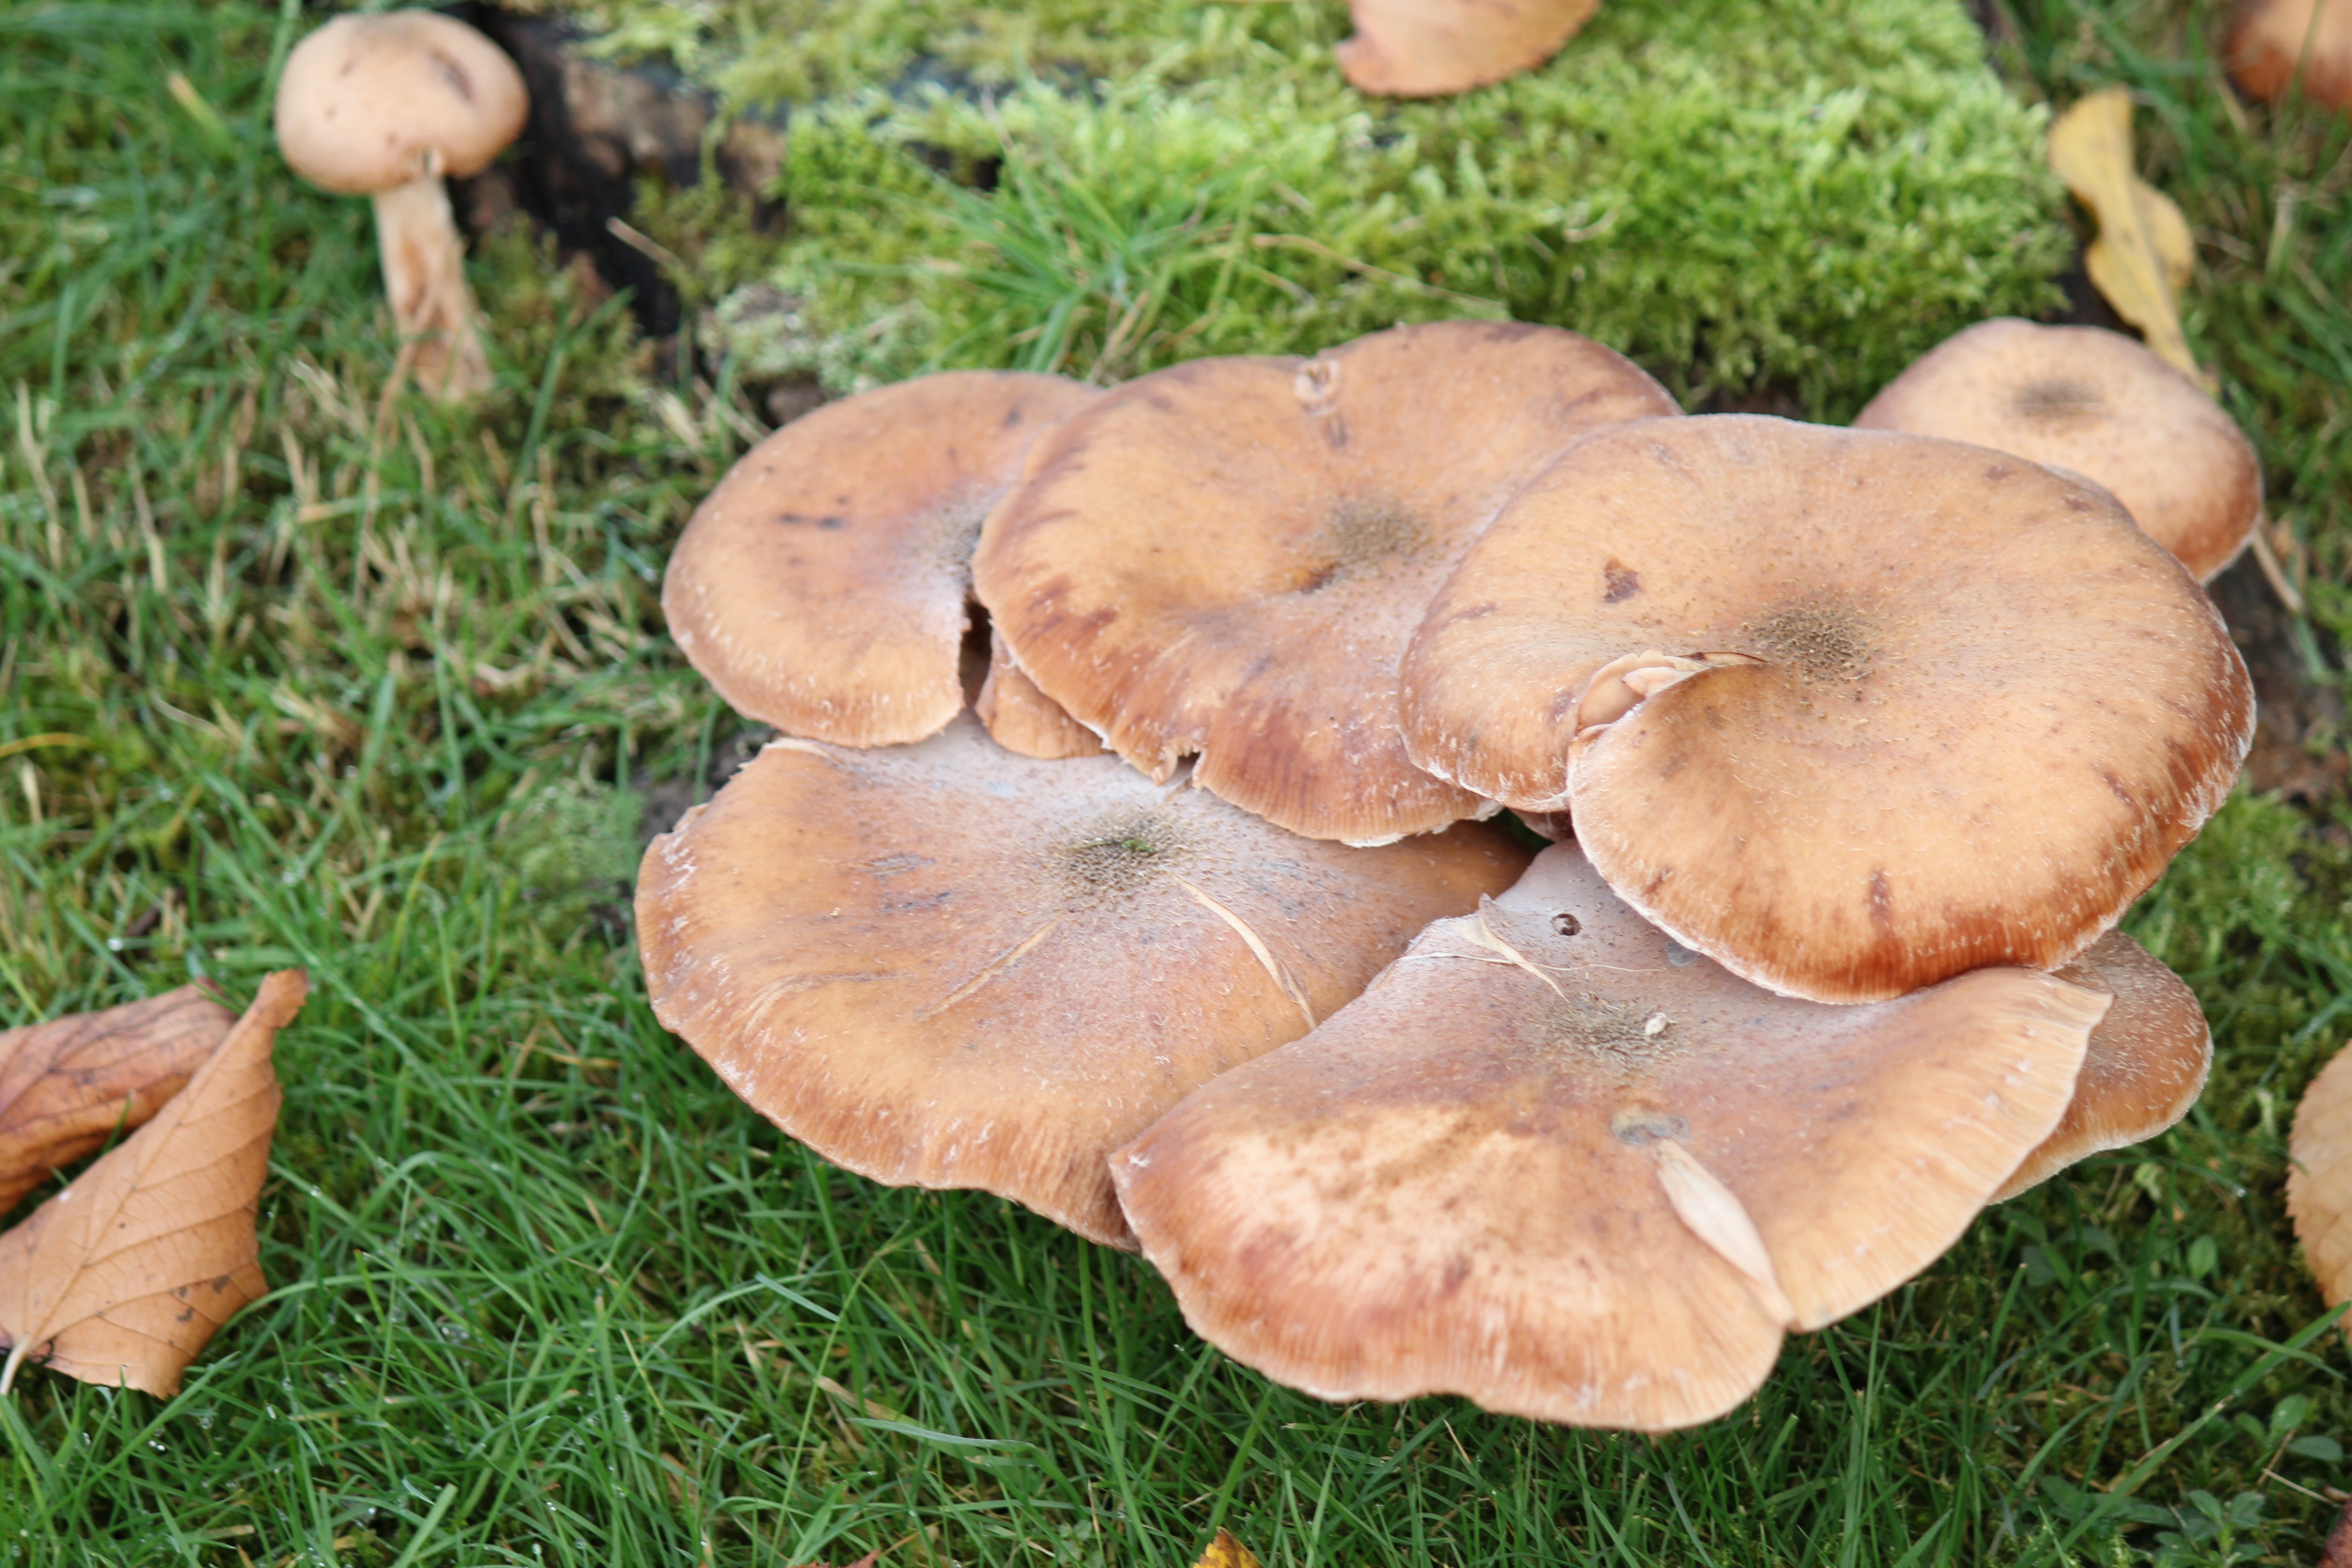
2144	254
120	1279
1226	1551
2336	1550
65	1085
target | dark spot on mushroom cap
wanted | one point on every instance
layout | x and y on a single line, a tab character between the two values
1119	855
2056	398
1566	925
1821	639
1360	538
1608	1032
1619	581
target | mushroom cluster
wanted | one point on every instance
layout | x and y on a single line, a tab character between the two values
1857	743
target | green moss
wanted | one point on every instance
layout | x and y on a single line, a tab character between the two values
1811	192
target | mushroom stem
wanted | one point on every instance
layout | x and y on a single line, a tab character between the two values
424	278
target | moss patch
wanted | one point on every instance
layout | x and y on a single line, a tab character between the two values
1812	193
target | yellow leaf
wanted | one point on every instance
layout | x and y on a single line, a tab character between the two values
1226	1552
66	1084
2144	253
120	1279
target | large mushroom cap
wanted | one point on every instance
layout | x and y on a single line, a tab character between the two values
1849	711
1228	556
946	965
2101	405
1556	1163
823	586
1420	49
2144	1068
368	102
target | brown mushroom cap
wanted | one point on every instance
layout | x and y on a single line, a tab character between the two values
2145	1066
2272	41
946	965
2101	405
368	102
823	586
1420	49
1227	557
1894	708
1020	718
1556	1163
2319	1178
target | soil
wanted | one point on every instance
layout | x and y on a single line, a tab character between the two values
2298	719
667	799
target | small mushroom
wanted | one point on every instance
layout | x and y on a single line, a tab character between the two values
2274	44
823	586
1021	719
946	965
2097	403
1424	48
385	106
1557	1162
1895	708
2145	1066
1227	557
2319	1178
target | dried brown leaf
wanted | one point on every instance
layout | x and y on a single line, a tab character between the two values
121	1278
1227	1551
2336	1550
66	1084
2144	254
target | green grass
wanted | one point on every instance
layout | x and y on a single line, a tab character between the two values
1812	193
377	697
